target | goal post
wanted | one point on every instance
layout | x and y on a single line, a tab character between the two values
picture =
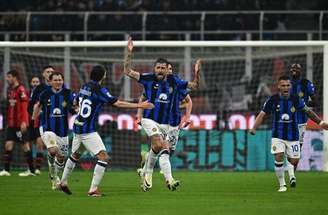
223	60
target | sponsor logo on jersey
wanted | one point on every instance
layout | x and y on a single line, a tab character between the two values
301	94
57	113
285	118
162	98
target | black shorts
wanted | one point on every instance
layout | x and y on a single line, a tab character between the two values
32	133
14	134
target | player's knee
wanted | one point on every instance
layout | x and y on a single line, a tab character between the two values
60	158
52	151
156	143
279	157
103	156
293	161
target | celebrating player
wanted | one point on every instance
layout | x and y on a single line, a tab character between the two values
186	103
56	103
34	132
163	90
304	89
285	134
17	122
92	97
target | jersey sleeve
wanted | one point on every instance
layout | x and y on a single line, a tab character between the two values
23	113
181	84
106	97
310	88
145	77
267	107
300	104
183	94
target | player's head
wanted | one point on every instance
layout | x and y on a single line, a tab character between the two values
169	68
47	71
35	81
160	68
284	85
98	73
12	77
295	70
56	80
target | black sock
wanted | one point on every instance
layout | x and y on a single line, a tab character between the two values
29	160
7	159
38	160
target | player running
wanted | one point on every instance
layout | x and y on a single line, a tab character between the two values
91	98
56	103
163	90
285	134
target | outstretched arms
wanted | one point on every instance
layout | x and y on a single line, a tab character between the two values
127	62
124	104
314	117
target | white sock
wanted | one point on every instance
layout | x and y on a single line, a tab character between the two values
280	173
69	167
150	162
164	163
58	167
290	168
144	166
98	175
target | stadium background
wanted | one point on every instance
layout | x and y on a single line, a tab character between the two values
235	81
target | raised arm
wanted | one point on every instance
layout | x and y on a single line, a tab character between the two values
258	122
124	104
127	62
195	83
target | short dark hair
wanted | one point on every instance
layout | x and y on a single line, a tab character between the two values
284	77
35	76
97	73
56	73
296	65
47	67
161	60
13	73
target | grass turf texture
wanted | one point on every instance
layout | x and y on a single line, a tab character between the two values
201	193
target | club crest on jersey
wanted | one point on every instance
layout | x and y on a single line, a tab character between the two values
274	148
162	98
300	94
171	89
278	108
154	129
293	109
64	104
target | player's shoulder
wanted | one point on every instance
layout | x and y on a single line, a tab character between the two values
21	88
305	81
147	76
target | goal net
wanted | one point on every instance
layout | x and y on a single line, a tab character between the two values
236	79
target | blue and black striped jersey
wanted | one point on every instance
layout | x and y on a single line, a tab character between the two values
55	107
304	89
91	98
166	96
284	122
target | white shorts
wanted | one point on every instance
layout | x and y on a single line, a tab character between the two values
91	142
301	131
50	139
169	133
291	148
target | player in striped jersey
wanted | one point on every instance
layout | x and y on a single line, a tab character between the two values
56	103
162	89
92	96
285	134
304	89
186	103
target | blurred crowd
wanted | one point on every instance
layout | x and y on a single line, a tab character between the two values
180	22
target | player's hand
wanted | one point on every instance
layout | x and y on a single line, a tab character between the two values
185	121
146	105
197	66
23	127
138	121
252	131
324	125
130	44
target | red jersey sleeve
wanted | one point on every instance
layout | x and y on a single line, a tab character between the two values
23	105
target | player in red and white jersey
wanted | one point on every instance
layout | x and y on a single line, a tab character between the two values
17	123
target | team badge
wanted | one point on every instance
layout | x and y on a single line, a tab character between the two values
154	129
171	89
64	104
274	148
293	109
301	94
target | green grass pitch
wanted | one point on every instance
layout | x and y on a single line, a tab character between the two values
201	193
